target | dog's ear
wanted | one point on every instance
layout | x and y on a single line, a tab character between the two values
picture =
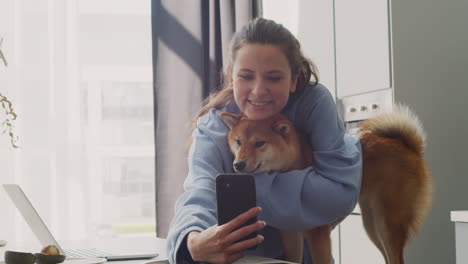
282	127
231	119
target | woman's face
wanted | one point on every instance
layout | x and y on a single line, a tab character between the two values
261	79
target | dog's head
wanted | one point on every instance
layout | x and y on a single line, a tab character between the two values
261	145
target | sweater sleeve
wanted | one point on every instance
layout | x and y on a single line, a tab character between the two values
328	190
196	207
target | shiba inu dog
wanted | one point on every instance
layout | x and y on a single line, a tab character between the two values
396	185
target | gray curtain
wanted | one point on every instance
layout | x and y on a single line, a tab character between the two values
190	38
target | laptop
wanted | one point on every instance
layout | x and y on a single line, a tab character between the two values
41	231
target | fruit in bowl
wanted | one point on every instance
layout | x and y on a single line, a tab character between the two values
50	250
49	255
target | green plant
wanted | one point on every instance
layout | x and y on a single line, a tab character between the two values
10	115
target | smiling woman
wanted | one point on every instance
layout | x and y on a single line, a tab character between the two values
263	80
267	74
85	116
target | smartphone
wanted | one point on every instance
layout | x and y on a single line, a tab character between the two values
235	194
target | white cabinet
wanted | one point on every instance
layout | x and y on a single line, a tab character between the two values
460	219
362	46
350	41
355	245
335	240
316	34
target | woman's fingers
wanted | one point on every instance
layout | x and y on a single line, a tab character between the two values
219	244
238	221
245	244
226	241
231	239
244	231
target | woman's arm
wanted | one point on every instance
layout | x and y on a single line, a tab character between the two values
325	192
196	208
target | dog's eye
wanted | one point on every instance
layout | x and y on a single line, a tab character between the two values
259	143
238	142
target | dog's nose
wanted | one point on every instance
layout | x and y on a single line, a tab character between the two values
239	165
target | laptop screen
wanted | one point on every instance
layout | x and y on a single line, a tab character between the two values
30	215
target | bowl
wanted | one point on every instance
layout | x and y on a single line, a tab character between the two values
49	259
14	257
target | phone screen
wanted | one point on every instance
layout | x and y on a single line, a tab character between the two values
235	194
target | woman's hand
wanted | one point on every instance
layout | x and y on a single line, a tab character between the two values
218	244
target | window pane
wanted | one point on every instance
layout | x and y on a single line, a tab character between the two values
82	89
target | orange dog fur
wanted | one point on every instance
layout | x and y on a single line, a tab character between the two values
396	185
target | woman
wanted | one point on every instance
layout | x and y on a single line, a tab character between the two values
266	74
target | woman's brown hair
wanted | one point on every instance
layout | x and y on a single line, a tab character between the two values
262	31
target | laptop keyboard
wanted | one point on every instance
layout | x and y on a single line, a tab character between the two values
86	252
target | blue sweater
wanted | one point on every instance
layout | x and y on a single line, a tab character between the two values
324	193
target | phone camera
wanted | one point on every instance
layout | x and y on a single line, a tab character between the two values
228	185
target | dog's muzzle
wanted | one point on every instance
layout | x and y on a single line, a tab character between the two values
239	165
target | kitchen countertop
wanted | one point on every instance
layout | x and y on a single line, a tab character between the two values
459	216
148	243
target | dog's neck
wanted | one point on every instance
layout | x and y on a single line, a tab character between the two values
305	158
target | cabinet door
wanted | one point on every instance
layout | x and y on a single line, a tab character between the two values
355	245
311	21
315	32
335	241
461	242
362	46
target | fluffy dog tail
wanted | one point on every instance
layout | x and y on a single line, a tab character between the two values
401	124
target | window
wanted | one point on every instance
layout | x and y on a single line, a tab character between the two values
80	79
